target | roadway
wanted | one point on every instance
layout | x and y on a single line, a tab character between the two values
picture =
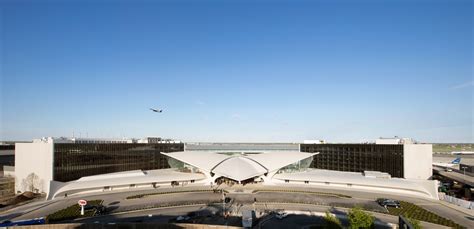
455	175
117	202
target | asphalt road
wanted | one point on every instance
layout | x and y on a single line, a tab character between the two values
454	175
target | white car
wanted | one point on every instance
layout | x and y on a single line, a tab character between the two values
281	215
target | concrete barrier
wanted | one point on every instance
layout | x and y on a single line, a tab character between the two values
459	202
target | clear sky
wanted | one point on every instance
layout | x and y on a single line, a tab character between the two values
272	71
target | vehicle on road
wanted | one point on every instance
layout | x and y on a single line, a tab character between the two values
281	215
36	221
388	203
182	218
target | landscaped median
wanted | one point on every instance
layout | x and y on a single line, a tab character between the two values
73	212
415	212
408	210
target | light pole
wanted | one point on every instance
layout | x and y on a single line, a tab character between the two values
464	169
223	202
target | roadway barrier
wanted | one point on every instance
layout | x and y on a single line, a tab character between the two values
459	202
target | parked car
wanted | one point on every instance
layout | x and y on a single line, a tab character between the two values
388	203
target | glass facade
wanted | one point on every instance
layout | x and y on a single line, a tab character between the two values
298	166
75	160
357	157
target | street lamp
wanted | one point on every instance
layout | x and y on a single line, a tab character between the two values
223	202
464	169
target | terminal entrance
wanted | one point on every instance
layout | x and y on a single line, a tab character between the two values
230	182
225	180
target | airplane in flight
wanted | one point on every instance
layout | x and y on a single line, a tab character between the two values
156	110
448	165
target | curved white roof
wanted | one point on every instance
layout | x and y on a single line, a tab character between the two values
239	165
136	177
422	187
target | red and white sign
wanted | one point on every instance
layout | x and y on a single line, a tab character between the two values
82	202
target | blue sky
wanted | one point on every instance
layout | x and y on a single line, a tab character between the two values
273	71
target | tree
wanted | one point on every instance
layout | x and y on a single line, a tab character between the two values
331	221
360	219
31	183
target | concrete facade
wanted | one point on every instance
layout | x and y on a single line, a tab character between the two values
417	161
33	166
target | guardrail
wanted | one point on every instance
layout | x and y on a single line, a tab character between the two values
459	202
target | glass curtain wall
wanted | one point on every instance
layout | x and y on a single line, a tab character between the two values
357	157
73	161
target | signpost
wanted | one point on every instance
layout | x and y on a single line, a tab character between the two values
82	203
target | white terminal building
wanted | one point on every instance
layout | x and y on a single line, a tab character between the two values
63	167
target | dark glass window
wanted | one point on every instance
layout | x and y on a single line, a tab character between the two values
73	161
357	157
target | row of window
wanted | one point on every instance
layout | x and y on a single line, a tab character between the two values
357	158
73	161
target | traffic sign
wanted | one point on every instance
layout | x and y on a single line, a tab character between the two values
82	202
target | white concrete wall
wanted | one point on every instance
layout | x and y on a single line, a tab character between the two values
417	160
34	158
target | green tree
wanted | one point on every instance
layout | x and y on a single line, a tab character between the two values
360	219
331	221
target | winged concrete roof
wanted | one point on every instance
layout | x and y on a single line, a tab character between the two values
239	165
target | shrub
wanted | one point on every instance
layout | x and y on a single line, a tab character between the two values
360	219
332	222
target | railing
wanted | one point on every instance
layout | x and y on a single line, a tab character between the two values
459	202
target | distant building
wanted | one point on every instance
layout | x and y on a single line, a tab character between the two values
314	142
393	141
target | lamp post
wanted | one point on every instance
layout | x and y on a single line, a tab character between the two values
464	169
223	202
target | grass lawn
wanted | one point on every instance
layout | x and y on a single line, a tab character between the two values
415	212
72	212
445	148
